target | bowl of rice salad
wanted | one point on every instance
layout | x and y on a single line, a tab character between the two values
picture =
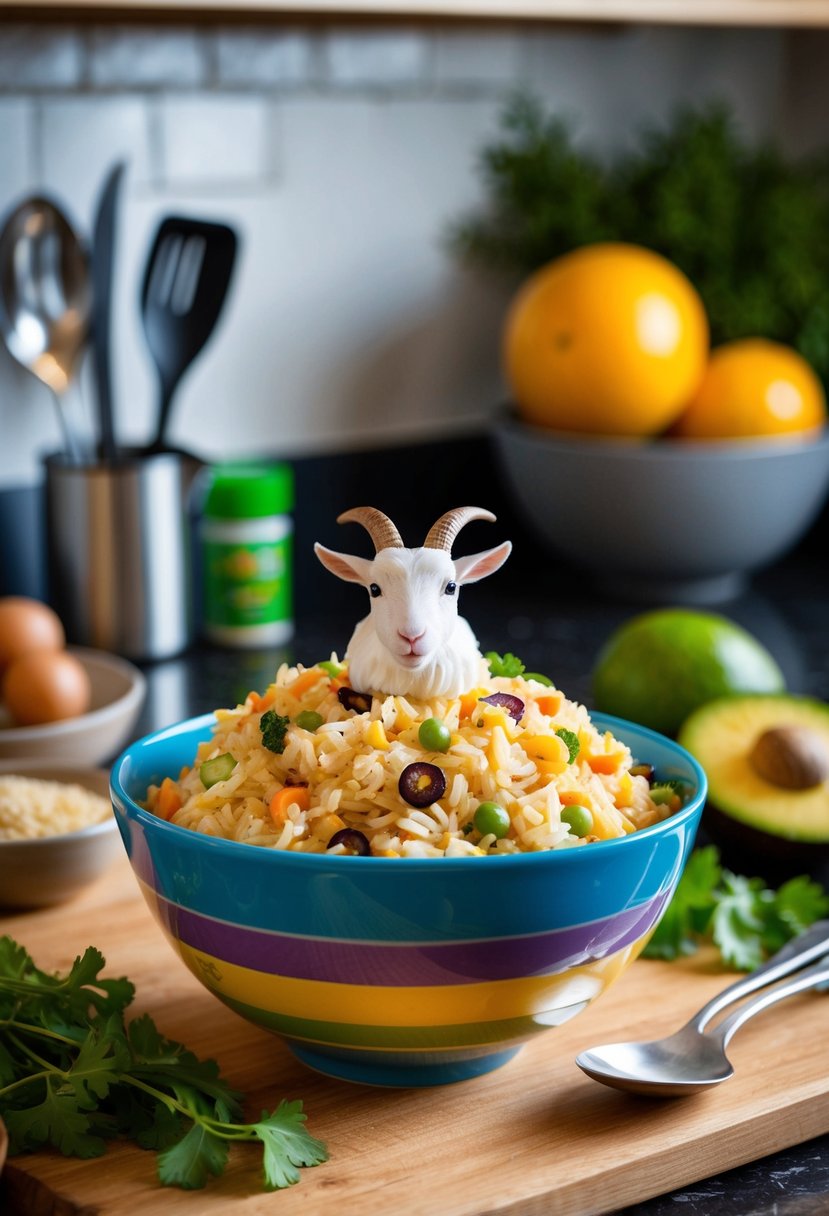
407	891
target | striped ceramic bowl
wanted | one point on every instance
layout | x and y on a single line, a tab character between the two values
402	972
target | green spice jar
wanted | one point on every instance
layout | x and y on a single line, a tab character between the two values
246	542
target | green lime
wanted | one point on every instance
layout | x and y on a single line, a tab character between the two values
658	667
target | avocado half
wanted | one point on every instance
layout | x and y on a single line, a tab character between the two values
767	762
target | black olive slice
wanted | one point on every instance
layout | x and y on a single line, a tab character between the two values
360	702
351	839
513	705
421	784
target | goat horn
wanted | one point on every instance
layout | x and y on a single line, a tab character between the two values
379	527
442	534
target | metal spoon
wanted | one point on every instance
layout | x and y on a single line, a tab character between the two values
693	1059
45	300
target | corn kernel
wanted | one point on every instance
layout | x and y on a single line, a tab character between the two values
376	736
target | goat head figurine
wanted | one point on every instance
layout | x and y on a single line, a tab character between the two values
413	642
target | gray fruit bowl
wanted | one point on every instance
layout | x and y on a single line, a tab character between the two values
664	519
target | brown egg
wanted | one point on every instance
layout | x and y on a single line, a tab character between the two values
45	686
27	625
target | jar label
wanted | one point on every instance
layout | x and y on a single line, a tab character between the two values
247	583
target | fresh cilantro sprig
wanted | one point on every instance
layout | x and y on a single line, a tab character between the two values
507	665
746	920
510	667
74	1074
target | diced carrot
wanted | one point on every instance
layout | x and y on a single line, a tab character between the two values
283	798
575	798
259	703
549	704
607	762
169	798
469	701
307	680
624	795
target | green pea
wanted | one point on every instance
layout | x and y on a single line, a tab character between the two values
491	819
309	719
578	818
434	735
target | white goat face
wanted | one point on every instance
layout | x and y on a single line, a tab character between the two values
413	641
413	594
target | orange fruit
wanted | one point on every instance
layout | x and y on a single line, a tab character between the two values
754	388
609	339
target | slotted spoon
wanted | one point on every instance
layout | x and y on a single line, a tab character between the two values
185	285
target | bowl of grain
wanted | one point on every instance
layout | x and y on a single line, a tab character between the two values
57	832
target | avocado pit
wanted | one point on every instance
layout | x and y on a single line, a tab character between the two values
791	757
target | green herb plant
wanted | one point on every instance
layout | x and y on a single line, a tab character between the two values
74	1074
746	920
747	226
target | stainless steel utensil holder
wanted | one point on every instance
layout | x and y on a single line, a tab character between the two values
118	552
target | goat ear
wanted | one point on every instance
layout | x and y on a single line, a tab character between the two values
479	565
352	569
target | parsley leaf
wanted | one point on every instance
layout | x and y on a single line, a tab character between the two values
73	1073
197	1155
504	664
287	1144
746	920
274	728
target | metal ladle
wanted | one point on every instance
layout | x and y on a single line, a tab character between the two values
693	1058
45	300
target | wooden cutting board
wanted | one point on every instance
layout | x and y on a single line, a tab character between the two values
534	1137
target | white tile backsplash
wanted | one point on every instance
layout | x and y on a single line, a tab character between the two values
16	150
376	58
258	57
341	155
215	142
464	60
81	137
36	58
126	57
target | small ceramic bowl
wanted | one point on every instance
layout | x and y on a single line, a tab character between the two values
665	519
118	690
51	869
404	972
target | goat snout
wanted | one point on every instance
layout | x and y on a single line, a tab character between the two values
411	640
410	636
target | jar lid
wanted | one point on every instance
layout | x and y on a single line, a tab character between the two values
249	491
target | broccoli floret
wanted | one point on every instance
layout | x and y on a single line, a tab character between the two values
572	741
274	727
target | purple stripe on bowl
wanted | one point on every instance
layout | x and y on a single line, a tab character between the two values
414	964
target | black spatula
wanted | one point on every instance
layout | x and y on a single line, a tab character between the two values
185	285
